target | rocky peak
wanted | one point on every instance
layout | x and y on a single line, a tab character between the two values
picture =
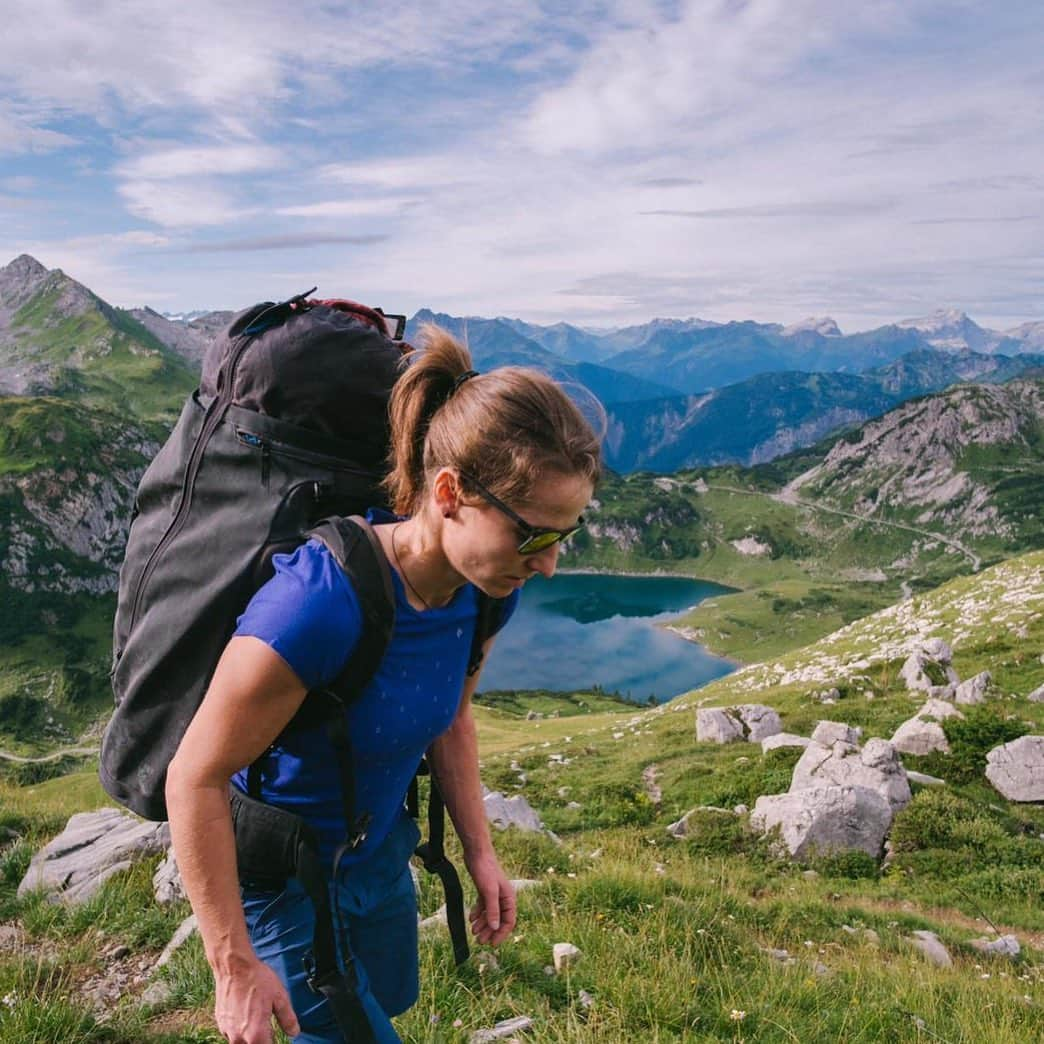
822	325
20	280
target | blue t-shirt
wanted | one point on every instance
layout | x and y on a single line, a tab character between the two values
309	614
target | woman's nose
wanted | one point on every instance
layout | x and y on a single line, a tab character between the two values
544	562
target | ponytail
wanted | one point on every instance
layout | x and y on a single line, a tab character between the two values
505	428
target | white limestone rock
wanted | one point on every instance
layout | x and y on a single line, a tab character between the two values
504	812
1037	695
932	949
1003	945
564	955
827	733
166	881
717	725
182	934
760	721
876	767
783	739
1016	769
922	734
502	1030
826	819
973	690
93	847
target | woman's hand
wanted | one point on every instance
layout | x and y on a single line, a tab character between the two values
246	999
493	915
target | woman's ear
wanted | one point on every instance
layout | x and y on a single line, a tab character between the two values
447	492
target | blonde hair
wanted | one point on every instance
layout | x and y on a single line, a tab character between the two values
504	428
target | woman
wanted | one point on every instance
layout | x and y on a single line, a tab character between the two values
490	473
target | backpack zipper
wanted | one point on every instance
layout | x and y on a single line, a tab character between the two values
214	416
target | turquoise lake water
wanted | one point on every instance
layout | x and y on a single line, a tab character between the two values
580	630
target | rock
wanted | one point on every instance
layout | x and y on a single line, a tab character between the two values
783	739
93	847
1004	945
687	826
827	733
933	950
437	920
182	934
586	1000
974	689
876	767
533	715
717	725
826	819
520	884
760	721
514	811
922	668
938	650
486	962
157	995
519	1024
922	734
649	777
166	881
574	806
924	779
1016	769
1037	695
564	955
783	956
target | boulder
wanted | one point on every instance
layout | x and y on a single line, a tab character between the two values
183	933
514	811
1016	769
924	779
687	826
827	733
502	1030
922	734
1037	695
783	739
93	847
931	948
876	767
974	689
938	650
923	672
760	721
717	725
1003	945
826	819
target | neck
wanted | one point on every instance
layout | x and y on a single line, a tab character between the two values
416	553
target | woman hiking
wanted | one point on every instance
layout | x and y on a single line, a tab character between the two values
490	473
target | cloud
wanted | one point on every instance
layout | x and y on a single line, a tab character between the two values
206	161
19	135
825	209
180	205
351	208
282	242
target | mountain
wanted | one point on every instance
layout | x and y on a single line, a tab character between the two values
772	414
58	338
953	330
969	462
824	326
494	342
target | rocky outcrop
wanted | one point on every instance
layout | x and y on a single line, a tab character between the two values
826	819
973	690
93	847
504	812
1016	769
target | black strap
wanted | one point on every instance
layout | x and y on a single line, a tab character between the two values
487	621
433	853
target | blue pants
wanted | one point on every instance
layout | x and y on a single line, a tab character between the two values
379	910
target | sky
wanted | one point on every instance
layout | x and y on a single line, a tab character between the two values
601	163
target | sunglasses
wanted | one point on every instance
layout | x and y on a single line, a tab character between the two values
535	538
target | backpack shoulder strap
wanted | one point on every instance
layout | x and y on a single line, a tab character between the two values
355	548
487	623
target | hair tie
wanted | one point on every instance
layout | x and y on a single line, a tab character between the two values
465	376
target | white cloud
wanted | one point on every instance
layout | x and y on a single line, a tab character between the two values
351	208
180	205
205	161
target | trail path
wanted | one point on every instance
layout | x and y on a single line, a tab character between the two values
788	496
54	756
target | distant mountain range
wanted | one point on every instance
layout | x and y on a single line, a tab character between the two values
678	392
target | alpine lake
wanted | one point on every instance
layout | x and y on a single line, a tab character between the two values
581	630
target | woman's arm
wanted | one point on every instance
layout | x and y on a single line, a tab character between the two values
251	698
454	761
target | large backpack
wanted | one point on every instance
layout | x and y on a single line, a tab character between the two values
289	426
